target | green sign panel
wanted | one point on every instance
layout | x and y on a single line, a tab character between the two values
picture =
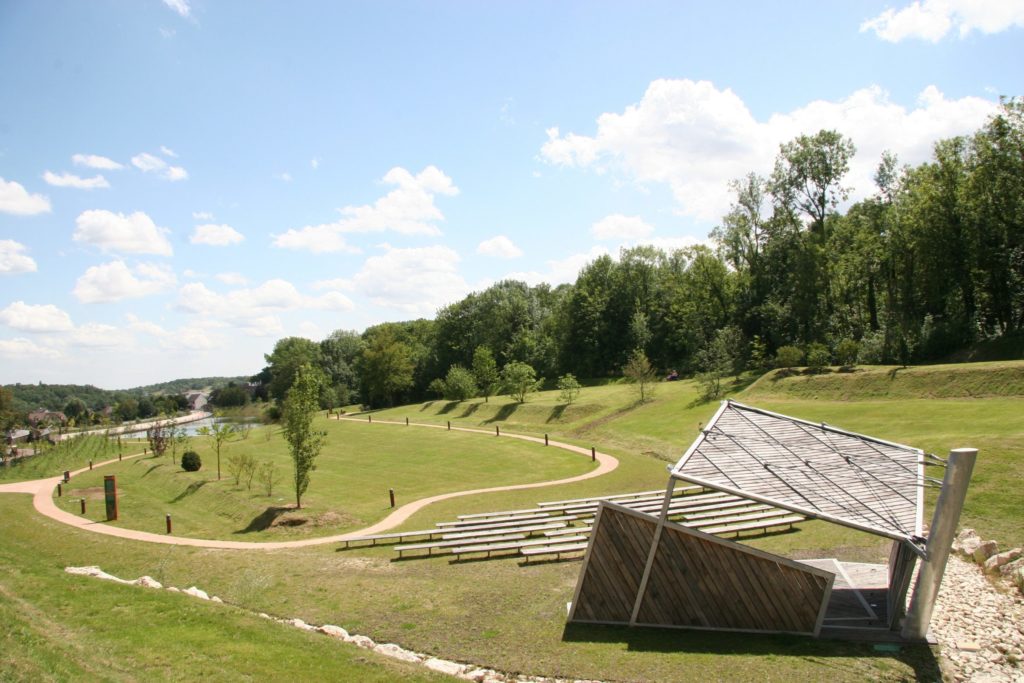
110	495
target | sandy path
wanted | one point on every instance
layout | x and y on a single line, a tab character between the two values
42	500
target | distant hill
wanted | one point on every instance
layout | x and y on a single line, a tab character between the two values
55	396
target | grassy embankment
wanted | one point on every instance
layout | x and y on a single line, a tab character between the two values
511	617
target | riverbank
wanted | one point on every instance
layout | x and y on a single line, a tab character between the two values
141	426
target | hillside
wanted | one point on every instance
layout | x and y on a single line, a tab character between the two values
55	396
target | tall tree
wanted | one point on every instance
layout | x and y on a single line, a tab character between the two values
808	173
305	443
386	367
288	354
485	370
340	353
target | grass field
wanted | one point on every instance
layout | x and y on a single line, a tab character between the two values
500	613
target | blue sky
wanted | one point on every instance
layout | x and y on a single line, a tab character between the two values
184	182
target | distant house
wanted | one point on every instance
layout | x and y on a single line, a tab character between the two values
196	400
43	416
16	436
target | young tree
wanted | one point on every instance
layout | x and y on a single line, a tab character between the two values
818	357
300	406
159	437
459	384
268	476
485	370
221	433
569	387
639	372
519	379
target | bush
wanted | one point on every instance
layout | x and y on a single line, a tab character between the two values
569	387
788	357
818	357
460	384
190	461
846	353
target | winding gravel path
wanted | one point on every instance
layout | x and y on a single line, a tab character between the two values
42	499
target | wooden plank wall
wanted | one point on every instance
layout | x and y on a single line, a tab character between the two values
901	569
615	562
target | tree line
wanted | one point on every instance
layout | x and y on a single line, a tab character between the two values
931	263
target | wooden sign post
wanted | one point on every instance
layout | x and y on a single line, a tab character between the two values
110	496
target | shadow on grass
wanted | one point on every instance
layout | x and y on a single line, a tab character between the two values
448	407
154	467
919	657
426	405
189	490
503	413
557	412
266	519
470	409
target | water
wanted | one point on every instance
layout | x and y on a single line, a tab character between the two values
192	428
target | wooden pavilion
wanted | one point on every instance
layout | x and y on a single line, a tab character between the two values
642	569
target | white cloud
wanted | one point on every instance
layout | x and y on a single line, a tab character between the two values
12	260
96	161
215	235
931	20
619	227
188	337
148	163
416	281
335	284
115	281
179	6
202	215
15	199
560	271
31	318
135	233
19	347
314	163
499	247
234	279
71	180
694	137
284	177
408	209
98	335
168	152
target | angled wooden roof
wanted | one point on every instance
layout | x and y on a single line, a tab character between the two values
818	470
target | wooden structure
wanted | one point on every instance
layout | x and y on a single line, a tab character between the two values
641	568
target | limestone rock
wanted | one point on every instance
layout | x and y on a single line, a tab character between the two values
95	572
361	641
397	652
173	589
216	599
967	541
147	582
196	593
985	551
477	675
334	631
300	624
264	615
994	562
444	666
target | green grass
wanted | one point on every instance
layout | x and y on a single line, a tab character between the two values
348	490
71	454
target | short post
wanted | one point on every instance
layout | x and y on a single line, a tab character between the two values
449	425
82	502
406	422
145	451
497	430
369	418
60	490
67	476
90	464
545	439
593	454
168	520
391	492
119	456
940	540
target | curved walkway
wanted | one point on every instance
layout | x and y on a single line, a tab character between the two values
42	500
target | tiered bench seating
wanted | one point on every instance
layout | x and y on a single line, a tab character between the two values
510	545
553	549
449	545
398	535
528	528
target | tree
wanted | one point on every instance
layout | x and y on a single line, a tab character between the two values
846	353
722	357
518	380
76	410
569	388
300	406
639	372
288	354
788	357
485	370
459	384
808	172
221	433
818	357
386	367
267	476
159	437
340	352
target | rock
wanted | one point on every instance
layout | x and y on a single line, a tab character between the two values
1009	568
196	593
334	631
398	652
173	589
300	624
147	582
216	599
967	541
994	562
967	646
478	675
444	666
985	551
95	572
361	641
264	615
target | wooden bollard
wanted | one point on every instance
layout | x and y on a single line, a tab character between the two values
82	501
119	457
67	476
391	492
545	439
497	430
593	454
449	425
60	490
369	418
406	422
90	464
168	520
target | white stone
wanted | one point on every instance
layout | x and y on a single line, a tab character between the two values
478	675
397	652
264	615
95	572
967	541
300	624
216	599
361	641
147	582
196	593
173	589
334	631
444	666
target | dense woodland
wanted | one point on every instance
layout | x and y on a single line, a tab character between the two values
930	264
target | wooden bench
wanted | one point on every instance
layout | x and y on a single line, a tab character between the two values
722	512
738	518
506	525
527	529
553	549
567	531
443	545
400	535
764	525
622	499
535	515
512	545
480	515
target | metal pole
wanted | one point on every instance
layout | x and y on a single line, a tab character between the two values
940	539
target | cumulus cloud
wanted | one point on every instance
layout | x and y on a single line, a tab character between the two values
187	337
77	182
314	163
215	235
115	281
409	209
179	6
499	247
13	260
32	318
98	335
694	137
336	283
168	152
931	20
96	161
202	215
15	199
619	227
234	279
21	348
135	233
417	281
148	163
560	271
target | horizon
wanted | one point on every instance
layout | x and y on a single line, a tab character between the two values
184	183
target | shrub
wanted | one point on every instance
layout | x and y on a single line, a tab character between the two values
846	353
190	461
788	357
818	357
460	384
569	387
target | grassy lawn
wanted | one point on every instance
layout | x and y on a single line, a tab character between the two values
348	490
500	613
68	455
